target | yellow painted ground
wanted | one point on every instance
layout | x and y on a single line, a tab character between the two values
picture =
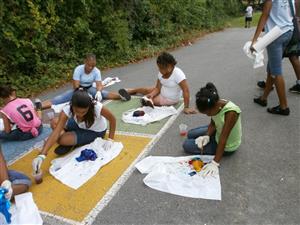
56	198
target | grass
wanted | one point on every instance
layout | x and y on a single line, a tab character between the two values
240	21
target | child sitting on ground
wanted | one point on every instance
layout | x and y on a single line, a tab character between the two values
13	181
83	121
170	86
222	136
19	112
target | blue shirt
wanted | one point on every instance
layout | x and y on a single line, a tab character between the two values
280	15
86	79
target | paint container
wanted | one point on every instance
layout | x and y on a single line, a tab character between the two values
50	115
38	177
183	129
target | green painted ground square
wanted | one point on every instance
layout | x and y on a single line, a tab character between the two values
118	107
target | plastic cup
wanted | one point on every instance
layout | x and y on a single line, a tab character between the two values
50	115
183	129
38	177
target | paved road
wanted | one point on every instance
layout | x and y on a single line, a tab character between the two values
260	183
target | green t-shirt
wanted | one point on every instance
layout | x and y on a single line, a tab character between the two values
234	138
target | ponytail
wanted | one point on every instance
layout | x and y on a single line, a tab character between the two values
207	97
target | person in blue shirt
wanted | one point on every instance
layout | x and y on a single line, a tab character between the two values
275	13
84	76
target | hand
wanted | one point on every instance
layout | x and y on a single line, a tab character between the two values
189	111
37	163
98	96
202	141
211	168
7	185
252	49
108	144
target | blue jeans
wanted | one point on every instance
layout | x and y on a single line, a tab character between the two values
82	136
67	96
275	51
16	177
18	135
191	147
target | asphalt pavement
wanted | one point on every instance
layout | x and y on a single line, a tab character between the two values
260	182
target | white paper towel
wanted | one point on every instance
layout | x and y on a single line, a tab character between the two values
267	39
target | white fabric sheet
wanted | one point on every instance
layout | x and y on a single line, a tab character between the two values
151	115
58	108
74	174
257	57
24	211
171	175
108	81
1	125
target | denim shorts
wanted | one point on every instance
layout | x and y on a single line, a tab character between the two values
16	177
67	96
82	136
275	51
18	135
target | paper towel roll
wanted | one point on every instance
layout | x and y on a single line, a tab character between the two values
268	38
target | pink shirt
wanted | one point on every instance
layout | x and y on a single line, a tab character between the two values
21	112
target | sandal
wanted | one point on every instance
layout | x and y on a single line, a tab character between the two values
260	101
279	111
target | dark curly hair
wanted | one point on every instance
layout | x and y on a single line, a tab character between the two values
165	59
6	91
207	97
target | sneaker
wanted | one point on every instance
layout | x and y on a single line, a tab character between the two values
147	102
260	101
262	84
295	89
38	104
62	150
279	111
124	95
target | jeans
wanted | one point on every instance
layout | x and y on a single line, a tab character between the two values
275	51
191	147
16	177
67	96
82	136
18	135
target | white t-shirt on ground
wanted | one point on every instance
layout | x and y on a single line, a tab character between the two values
99	124
170	87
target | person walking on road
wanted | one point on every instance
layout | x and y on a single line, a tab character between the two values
275	13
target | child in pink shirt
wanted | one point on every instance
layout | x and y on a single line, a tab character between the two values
19	112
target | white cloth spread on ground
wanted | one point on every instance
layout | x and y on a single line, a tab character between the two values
73	173
171	175
151	115
257	57
108	81
24	211
58	108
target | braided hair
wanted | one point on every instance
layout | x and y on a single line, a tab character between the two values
207	97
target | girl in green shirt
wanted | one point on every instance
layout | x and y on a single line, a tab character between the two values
222	136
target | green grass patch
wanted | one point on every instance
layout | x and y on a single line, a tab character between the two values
240	21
